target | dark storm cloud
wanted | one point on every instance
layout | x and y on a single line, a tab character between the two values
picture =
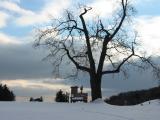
22	62
25	62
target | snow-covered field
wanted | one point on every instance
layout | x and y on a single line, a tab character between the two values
78	111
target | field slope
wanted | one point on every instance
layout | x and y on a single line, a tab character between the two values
78	111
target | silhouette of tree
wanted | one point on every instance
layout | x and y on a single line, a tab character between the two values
91	45
61	97
6	94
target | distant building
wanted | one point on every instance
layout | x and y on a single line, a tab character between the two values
78	96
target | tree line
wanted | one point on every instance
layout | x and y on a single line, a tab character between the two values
134	97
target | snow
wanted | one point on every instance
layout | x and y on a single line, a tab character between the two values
78	111
98	101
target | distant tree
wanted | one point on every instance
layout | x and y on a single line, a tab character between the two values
61	97
97	47
6	94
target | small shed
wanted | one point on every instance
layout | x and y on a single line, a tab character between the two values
78	96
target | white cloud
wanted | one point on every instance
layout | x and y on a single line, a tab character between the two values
102	8
148	28
54	9
6	39
3	19
34	84
51	8
28	88
14	7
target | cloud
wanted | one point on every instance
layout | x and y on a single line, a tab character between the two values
20	60
3	21
14	8
24	88
148	29
102	8
35	84
22	69
50	9
54	9
111	85
6	39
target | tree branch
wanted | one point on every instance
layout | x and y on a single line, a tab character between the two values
74	62
90	56
124	6
117	70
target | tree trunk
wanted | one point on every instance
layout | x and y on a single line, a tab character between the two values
95	82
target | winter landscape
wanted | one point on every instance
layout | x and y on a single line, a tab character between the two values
79	60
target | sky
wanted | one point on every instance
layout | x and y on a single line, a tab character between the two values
21	65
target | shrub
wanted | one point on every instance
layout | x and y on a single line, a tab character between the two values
61	97
6	94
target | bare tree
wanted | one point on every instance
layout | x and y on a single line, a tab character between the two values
97	47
